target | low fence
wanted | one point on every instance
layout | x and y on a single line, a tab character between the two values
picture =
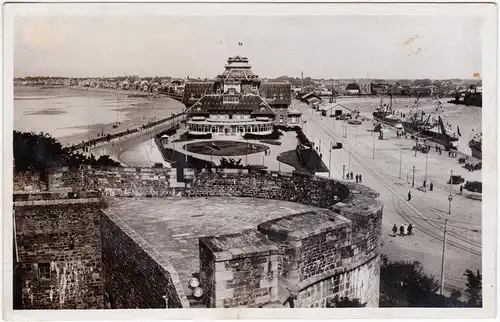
110	137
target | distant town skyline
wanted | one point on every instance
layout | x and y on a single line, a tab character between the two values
328	47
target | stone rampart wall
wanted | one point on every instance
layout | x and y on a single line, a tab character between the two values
240	271
27	181
135	275
358	256
305	189
59	250
361	282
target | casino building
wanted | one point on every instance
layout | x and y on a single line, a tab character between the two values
236	103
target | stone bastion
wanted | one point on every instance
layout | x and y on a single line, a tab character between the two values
130	238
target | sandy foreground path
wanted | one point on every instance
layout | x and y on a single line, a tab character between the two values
426	211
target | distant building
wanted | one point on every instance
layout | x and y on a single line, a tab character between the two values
236	103
353	89
380	88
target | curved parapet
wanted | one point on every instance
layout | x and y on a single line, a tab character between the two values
309	257
322	254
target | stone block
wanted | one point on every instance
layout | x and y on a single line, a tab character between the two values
262	299
223	276
224	294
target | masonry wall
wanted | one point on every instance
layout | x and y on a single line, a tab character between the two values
135	276
27	181
311	190
207	275
362	282
320	268
59	249
321	253
246	281
238	277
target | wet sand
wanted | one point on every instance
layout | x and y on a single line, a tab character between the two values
73	115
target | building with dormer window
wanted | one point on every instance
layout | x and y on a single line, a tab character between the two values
236	103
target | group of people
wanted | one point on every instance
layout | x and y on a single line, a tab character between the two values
404	230
350	176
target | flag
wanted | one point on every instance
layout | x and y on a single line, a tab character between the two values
458	131
240	44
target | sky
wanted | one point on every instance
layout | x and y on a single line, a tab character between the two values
391	47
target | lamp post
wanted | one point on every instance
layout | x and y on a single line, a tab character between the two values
416	141
374	147
357	135
400	161
442	258
330	160
413	179
246	155
450	197
349	160
425	180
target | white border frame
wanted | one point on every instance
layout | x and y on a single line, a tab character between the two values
488	13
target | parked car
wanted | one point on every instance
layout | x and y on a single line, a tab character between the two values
336	146
456	180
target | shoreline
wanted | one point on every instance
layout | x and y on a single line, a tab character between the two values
146	109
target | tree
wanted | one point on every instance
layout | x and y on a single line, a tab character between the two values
455	295
474	288
344	302
37	151
405	283
230	164
40	151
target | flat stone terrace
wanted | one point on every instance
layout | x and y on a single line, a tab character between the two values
173	225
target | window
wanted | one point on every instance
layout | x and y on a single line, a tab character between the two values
44	270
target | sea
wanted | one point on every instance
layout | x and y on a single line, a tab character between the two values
468	119
62	112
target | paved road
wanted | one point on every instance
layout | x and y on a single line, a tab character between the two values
426	211
135	145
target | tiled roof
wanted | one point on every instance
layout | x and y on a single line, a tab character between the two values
238	74
193	91
276	93
237	59
250	103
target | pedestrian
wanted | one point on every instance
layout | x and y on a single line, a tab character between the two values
357	179
461	189
409	195
425	183
401	230
405	229
431	186
360	179
352	178
394	230
410	229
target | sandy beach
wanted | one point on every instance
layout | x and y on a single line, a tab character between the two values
73	115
